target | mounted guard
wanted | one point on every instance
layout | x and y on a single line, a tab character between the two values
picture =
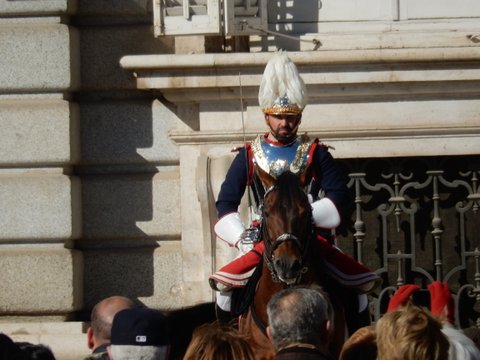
282	98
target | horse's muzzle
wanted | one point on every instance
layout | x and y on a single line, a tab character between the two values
285	259
288	267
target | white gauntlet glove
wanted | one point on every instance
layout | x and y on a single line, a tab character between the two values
325	214
229	228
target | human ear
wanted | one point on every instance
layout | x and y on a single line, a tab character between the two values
328	326
327	331
269	334
266	119
90	342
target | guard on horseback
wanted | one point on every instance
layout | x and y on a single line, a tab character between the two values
282	98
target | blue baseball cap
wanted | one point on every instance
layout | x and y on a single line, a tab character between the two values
140	326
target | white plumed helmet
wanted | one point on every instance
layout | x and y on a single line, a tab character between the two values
282	90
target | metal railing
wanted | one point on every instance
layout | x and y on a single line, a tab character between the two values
416	220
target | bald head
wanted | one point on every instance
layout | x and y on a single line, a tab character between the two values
102	317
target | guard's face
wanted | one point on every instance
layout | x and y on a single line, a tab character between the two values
283	127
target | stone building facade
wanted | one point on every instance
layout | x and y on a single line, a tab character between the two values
115	134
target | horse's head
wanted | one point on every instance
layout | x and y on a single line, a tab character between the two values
287	228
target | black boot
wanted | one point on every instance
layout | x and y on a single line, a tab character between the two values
355	319
223	317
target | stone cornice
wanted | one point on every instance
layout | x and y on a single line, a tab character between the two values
217	61
209	77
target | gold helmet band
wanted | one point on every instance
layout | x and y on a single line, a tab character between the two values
282	106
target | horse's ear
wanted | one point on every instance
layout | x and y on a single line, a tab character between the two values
267	179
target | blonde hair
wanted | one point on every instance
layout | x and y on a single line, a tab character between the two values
216	342
410	333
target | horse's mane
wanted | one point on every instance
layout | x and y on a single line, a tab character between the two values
289	188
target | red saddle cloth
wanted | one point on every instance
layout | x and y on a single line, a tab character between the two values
343	268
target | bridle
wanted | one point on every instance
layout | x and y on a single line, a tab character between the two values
270	247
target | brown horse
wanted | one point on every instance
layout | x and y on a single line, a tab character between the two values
288	259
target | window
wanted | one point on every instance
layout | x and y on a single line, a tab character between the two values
209	17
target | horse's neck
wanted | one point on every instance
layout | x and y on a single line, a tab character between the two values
266	287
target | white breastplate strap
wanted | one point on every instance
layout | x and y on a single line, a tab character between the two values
229	228
325	214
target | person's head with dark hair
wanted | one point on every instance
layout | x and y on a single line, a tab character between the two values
299	318
99	332
36	351
213	341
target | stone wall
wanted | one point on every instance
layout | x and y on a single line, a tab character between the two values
89	180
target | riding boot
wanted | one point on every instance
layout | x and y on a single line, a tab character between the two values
346	270
237	272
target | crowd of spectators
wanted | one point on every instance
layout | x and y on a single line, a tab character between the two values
300	327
